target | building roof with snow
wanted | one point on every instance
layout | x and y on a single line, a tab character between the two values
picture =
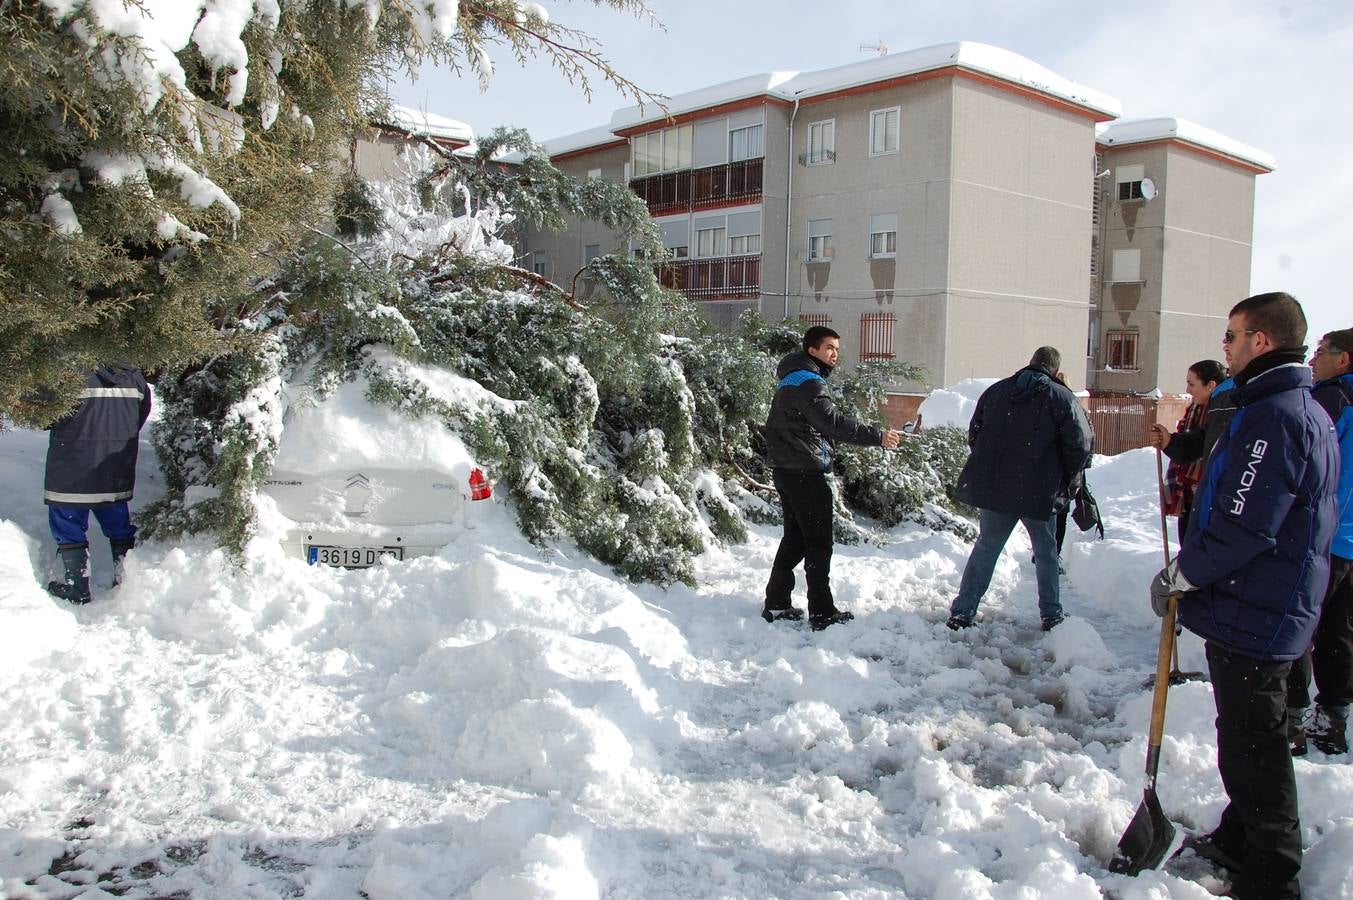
426	124
1141	131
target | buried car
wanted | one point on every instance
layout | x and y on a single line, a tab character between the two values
357	483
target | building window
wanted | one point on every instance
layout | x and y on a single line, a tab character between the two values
709	242
821	143
883	130
1127	267
876	336
1129	179
745	143
883	235
662	151
813	320
744	245
820	240
1120	350
593	173
540	264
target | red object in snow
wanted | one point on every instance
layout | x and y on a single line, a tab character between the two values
480	489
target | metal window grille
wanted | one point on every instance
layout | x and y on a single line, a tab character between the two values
876	335
1120	350
812	320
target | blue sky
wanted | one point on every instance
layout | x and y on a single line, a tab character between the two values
1275	75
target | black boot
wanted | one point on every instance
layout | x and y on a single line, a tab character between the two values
120	548
75	559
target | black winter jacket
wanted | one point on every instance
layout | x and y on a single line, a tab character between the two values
91	457
1030	439
803	423
1197	443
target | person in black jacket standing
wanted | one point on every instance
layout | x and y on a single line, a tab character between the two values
800	431
91	464
1030	440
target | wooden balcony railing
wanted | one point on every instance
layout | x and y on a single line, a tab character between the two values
737	182
725	278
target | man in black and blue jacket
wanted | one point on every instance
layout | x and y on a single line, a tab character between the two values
1252	571
801	429
91	465
1330	658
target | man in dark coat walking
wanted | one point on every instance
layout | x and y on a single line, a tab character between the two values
1250	577
1030	440
800	431
91	465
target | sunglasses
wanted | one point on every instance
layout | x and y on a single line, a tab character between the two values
1229	337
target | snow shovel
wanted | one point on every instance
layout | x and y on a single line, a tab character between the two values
1177	677
1150	834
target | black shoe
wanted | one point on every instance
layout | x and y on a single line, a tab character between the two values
71	593
1049	624
817	623
1329	731
957	622
1206	846
781	614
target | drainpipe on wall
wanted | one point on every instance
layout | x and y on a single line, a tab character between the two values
789	199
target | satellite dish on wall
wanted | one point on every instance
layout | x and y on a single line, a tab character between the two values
1148	189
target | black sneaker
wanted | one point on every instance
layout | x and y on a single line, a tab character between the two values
782	614
817	623
71	593
1206	846
1329	731
957	622
1053	622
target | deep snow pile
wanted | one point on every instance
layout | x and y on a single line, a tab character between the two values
499	722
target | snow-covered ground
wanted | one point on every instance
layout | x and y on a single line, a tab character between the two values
501	722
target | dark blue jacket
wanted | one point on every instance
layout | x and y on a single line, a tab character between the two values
91	457
1335	395
1259	537
1030	440
803	423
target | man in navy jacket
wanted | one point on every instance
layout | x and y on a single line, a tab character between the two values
1253	569
91	465
1030	441
1331	655
801	431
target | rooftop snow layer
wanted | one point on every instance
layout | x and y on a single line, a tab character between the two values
592	137
1137	131
975	57
417	121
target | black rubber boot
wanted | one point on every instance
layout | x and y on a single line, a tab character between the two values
75	559
120	548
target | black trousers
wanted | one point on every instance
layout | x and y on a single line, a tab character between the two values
1330	658
1259	826
807	501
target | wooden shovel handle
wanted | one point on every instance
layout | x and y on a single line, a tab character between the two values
1163	655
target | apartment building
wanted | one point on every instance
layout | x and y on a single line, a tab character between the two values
373	154
1172	233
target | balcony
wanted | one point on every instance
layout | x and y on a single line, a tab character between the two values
724	278
691	189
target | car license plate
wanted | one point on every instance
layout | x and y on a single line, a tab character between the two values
350	557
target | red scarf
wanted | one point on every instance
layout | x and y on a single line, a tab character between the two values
1181	478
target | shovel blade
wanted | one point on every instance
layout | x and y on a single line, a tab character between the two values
1147	839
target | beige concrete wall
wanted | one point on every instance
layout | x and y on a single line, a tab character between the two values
1019	235
911	183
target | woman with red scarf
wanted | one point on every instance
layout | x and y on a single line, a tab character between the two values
1186	465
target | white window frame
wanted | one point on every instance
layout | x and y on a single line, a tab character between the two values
874	117
744	245
709	242
824	154
674	145
756	152
879	227
820	247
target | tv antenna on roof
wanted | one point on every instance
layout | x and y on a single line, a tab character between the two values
878	46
